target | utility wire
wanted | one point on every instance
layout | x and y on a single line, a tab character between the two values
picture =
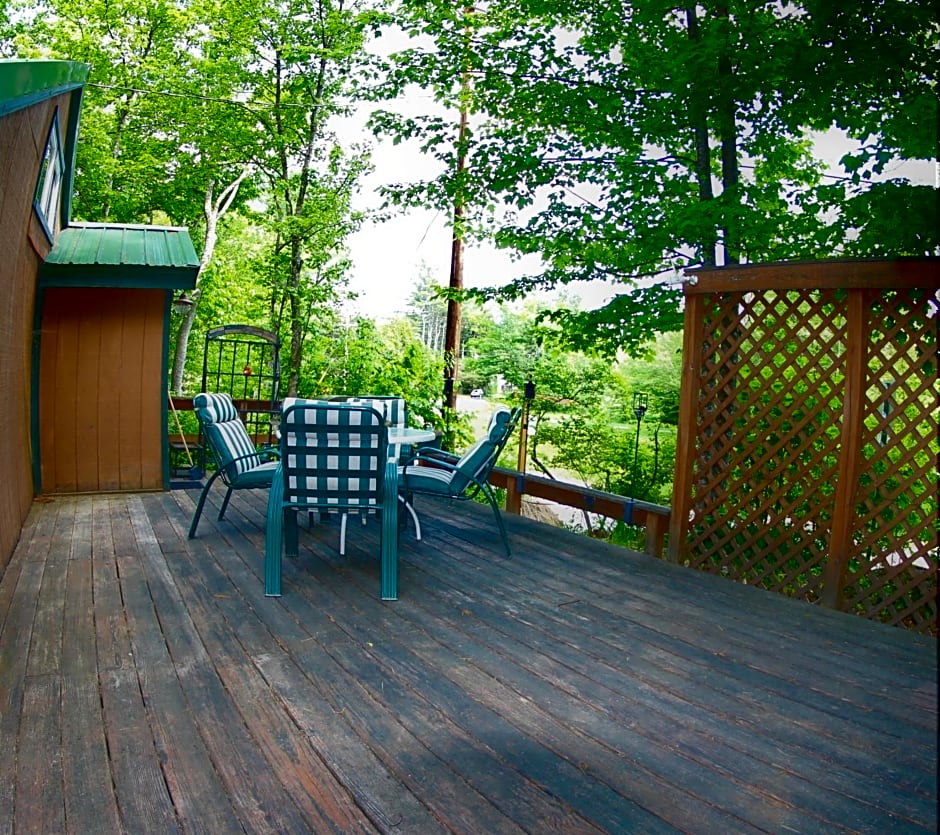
196	97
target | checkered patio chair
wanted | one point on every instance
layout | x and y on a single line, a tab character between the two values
395	411
334	458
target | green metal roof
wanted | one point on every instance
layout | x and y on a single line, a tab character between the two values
121	255
23	83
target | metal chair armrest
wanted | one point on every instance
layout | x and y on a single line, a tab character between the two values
444	463
265	455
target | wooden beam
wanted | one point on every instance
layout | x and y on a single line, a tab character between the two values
655	518
806	275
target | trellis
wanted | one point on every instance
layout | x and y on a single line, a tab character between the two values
244	361
811	394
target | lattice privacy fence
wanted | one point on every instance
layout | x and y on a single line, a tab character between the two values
811	467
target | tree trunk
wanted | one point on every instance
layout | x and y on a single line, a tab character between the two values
452	338
296	318
727	127
699	120
213	212
182	341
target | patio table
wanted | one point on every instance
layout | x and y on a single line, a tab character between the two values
399	436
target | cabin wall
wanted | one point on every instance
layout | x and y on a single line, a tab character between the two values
23	246
101	389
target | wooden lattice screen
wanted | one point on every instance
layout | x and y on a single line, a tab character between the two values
811	393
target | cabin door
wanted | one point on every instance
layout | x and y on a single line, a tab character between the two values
101	389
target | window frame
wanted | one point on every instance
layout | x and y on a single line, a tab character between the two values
47	200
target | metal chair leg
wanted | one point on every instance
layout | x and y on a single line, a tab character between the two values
414	516
228	495
200	504
499	519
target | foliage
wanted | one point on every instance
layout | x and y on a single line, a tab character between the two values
295	61
581	418
657	374
608	457
359	359
629	142
192	107
428	311
148	110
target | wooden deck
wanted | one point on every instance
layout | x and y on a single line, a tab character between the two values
147	685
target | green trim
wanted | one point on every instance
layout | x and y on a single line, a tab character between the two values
36	449
25	83
165	371
70	153
44	219
101	275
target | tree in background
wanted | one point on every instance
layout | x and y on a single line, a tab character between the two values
360	358
517	350
428	310
193	105
299	59
656	372
629	142
608	447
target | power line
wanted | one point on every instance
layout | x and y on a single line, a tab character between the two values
195	97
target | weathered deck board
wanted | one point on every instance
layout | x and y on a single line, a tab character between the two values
147	685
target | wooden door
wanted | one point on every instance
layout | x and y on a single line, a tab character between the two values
101	389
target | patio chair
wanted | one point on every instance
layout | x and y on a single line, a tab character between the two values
393	409
237	462
444	474
334	458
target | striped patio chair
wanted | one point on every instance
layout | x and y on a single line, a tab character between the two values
334	458
237	462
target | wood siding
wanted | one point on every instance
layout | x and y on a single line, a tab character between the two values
23	245
101	390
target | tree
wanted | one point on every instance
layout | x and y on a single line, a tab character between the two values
296	60
359	358
428	311
195	105
657	374
516	349
629	142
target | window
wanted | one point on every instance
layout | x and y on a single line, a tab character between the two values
51	174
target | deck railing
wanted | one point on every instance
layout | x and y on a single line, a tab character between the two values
653	517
